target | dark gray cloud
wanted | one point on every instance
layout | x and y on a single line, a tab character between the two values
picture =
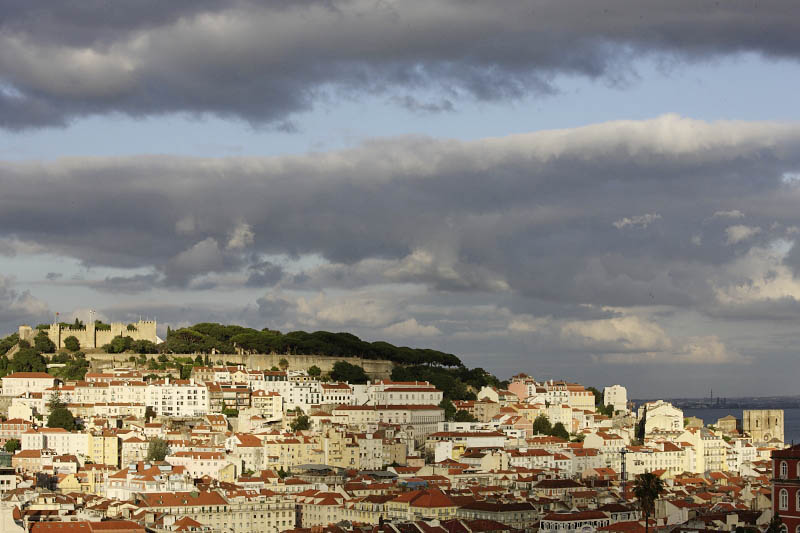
264	274
18	307
538	215
619	244
263	61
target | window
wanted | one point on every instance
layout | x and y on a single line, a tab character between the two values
784	470
783	500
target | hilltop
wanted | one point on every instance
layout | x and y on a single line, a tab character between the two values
444	370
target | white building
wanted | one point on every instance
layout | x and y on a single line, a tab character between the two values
617	396
144	478
336	394
421	419
22	382
267	404
178	398
61	441
660	416
403	393
199	464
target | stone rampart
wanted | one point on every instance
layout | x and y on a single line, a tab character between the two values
91	337
375	368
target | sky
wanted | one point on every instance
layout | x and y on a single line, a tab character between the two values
605	192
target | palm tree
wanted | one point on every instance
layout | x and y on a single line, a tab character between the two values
647	488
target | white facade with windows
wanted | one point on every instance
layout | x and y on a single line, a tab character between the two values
178	398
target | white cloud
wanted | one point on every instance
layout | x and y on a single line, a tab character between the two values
707	350
411	328
186	225
738	233
620	334
733	213
242	236
758	276
639	221
204	256
356	310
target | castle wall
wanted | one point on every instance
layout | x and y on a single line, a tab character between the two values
375	369
145	330
89	337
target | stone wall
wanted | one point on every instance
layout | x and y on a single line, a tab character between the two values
376	369
763	425
90	337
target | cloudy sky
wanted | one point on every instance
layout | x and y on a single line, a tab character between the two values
607	191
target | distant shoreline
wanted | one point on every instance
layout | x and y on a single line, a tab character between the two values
754	402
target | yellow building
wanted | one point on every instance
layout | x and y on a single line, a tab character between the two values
104	448
286	451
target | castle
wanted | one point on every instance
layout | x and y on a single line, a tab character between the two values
95	336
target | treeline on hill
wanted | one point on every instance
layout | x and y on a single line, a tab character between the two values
70	363
456	383
207	337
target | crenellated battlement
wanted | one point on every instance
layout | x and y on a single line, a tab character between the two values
90	336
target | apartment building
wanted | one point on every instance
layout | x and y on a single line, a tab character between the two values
178	398
255	514
147	477
22	382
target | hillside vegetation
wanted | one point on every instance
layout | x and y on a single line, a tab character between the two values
207	337
443	370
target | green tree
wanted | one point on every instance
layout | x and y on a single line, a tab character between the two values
344	371
8	342
118	344
301	423
157	449
647	488
449	409
28	360
464	416
230	412
61	418
60	357
560	431
74	369
198	361
72	344
43	344
149	413
186	371
12	445
542	426
54	402
283	363
143	346
314	371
